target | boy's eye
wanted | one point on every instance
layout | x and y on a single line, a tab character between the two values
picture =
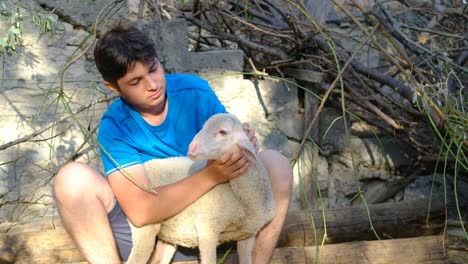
134	82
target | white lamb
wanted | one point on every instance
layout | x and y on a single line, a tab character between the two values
233	211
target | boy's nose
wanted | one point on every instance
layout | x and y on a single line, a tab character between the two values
151	84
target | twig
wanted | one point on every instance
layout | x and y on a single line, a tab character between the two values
255	71
268	19
73	60
392	27
325	97
256	28
237	39
141	8
40	131
376	110
397	47
433	32
362	28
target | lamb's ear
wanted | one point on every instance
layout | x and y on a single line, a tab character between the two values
248	150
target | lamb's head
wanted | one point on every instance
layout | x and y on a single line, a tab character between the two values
219	134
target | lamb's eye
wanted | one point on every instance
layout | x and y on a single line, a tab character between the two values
222	132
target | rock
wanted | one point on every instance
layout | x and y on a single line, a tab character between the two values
171	44
80	13
331	136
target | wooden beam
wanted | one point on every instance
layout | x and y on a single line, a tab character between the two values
390	220
407	250
49	246
46	240
428	249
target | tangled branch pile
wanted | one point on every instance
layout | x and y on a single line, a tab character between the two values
411	87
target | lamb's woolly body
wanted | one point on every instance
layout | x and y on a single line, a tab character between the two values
209	209
231	211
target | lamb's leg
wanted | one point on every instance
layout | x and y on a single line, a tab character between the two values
244	250
207	235
163	253
143	239
207	248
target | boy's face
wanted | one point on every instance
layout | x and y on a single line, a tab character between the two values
143	87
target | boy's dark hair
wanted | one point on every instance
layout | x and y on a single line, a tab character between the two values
119	48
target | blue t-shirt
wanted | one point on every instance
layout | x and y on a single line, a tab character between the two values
128	139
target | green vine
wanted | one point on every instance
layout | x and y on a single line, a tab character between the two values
12	15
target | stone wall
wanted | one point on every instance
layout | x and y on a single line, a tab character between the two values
32	101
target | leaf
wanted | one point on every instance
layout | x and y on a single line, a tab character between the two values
51	18
423	38
15	30
415	97
3	42
36	19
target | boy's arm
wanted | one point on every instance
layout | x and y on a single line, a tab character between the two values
143	207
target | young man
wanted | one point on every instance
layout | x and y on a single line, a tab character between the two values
156	116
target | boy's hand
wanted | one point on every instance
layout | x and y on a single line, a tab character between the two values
251	135
230	165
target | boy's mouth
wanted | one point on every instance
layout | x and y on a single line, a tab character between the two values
155	95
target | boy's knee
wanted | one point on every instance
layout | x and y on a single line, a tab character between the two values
74	179
78	184
279	169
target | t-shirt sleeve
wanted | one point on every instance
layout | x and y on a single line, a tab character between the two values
116	153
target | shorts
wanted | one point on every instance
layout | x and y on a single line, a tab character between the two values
123	237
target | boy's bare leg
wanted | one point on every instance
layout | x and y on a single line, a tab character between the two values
83	198
281	177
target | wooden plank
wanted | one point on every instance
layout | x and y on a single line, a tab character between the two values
50	246
428	249
46	240
390	220
407	250
38	225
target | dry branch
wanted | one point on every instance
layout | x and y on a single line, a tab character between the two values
54	123
277	35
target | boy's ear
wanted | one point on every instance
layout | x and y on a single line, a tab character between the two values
112	87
